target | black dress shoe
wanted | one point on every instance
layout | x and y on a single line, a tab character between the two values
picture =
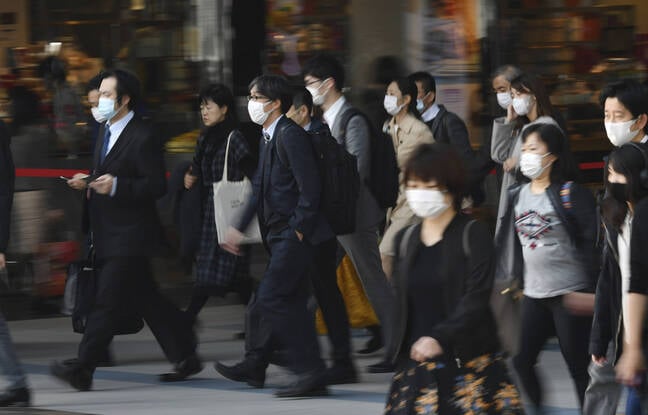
340	374
374	343
15	397
75	375
381	367
244	371
306	385
188	367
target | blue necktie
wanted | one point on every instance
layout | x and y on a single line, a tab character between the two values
104	148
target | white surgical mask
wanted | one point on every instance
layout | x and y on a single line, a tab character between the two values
426	203
97	116
318	99
257	113
504	99
420	105
522	104
531	164
391	105
106	108
619	132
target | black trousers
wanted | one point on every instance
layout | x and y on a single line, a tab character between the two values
277	316
125	288
323	275
541	319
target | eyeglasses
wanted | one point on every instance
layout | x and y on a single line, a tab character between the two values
257	98
314	81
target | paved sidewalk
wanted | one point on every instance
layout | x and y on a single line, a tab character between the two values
132	386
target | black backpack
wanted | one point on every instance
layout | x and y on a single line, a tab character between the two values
338	170
383	178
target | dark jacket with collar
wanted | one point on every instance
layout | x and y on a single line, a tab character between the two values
7	180
580	221
288	193
469	329
127	224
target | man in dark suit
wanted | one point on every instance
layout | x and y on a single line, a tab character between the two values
17	393
448	127
286	199
324	78
128	176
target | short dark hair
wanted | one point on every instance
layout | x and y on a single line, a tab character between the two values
95	82
300	97
274	87
629	160
426	79
222	96
630	93
127	84
564	169
324	66
441	163
408	87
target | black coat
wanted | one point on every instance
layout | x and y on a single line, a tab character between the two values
7	179
127	224
469	330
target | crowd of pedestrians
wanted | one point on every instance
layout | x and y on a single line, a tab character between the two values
463	313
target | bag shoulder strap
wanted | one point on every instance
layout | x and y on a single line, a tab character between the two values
224	176
407	234
465	240
565	195
346	118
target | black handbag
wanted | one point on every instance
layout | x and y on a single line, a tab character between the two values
79	298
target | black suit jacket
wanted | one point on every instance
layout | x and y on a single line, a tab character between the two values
287	190
7	178
127	223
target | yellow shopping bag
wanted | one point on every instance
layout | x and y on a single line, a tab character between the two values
360	312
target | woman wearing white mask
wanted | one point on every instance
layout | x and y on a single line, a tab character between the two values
554	253
407	132
625	106
448	361
529	105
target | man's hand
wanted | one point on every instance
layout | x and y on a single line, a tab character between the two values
77	182
3	262
232	242
189	179
631	367
599	360
103	184
300	236
425	348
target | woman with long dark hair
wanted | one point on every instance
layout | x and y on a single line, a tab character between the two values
529	105
554	223
621	290
216	268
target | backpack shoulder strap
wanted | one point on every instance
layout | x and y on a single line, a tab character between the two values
465	240
344	121
565	195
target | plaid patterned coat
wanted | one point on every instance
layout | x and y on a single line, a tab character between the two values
216	268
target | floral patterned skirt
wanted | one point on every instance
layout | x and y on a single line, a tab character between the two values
480	386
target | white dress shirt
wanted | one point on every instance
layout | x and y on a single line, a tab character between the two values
331	114
431	112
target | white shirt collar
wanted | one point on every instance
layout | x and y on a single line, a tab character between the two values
117	128
644	140
331	114
431	112
308	126
271	129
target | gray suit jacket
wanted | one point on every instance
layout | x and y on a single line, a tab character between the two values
358	142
